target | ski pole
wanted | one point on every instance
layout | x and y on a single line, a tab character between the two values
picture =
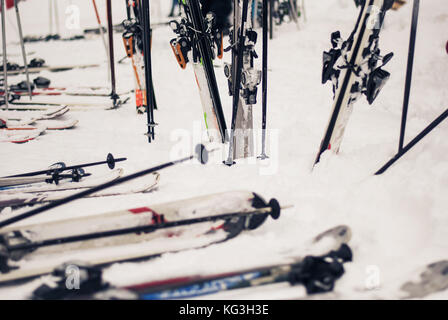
317	273
414	141
110	161
22	44
5	60
407	91
273	210
265	80
146	19
201	154
110	30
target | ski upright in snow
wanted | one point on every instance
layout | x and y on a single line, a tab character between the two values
243	80
199	41
352	67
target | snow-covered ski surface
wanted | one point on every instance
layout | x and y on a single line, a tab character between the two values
398	220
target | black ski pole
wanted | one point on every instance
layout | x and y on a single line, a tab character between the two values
114	96
407	91
265	80
110	161
273	210
148	69
413	142
201	154
237	80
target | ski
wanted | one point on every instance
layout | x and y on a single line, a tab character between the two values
63	185
352	67
307	268
433	279
54	92
197	41
20	136
47	124
19	200
78	106
35	250
33	116
17	181
60	68
244	91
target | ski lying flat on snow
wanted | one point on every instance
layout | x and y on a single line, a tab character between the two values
129	246
93	286
47	124
46	105
54	113
52	68
63	185
433	279
55	92
20	136
19	200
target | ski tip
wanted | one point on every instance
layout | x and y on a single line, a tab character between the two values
201	153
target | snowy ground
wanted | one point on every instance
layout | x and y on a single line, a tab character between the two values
398	219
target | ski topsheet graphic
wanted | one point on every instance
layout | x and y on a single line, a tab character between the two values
352	67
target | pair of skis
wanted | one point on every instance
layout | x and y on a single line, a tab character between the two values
243	80
198	41
353	68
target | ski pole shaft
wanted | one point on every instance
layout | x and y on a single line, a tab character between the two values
22	44
410	66
5	60
201	154
265	79
146	25
111	50
139	229
110	161
414	141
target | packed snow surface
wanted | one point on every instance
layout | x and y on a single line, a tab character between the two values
398	219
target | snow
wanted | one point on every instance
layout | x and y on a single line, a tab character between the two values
398	219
